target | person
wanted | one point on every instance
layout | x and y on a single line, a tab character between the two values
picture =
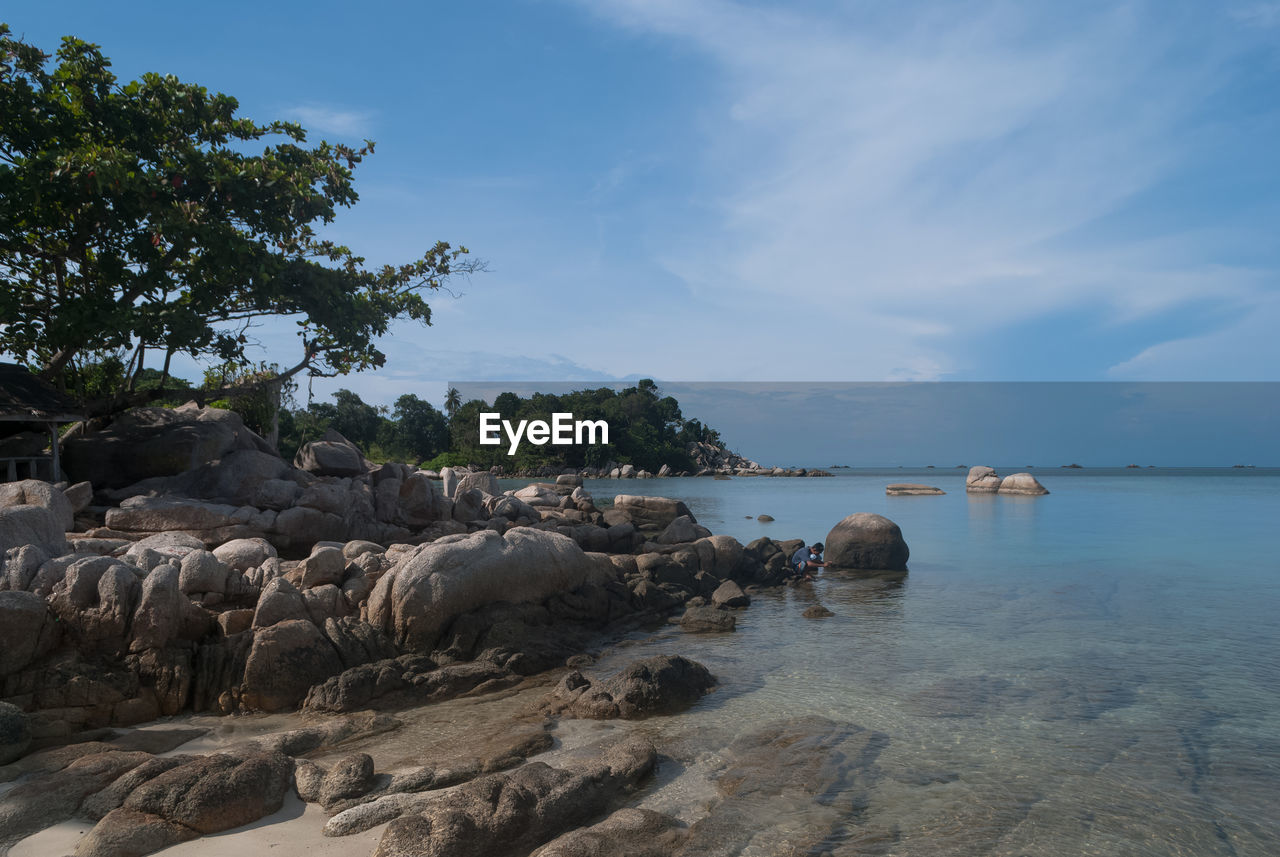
806	559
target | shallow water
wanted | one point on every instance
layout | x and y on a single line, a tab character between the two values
1095	671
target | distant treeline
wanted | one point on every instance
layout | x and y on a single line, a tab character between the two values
646	428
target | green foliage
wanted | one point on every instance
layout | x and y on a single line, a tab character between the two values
445	459
138	215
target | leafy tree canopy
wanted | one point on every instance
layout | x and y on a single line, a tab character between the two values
141	217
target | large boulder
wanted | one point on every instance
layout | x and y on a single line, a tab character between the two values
649	514
240	555
204	796
34	492
867	541
32	525
1022	484
482	480
285	661
148	442
982	480
163	514
417	600
27	631
332	455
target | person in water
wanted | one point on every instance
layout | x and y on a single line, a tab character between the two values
806	560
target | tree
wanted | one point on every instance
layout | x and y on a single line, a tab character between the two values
134	219
419	431
452	401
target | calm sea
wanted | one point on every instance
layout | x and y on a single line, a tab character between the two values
1096	671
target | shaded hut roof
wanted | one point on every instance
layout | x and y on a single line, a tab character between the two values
26	398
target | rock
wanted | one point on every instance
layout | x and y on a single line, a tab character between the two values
1022	484
483	481
626	833
419	503
700	620
417	600
816	611
729	594
235	621
150	442
162	514
95	602
285	661
201	571
505	815
351	777
764	519
539	494
214	793
449	478
324	567
27	631
46	800
911	489
867	541
661	685
649	514
280	602
302	526
240	555
34	492
572	480
982	480
332	455
32	525
15	733
162	610
682	529
787	763
128	833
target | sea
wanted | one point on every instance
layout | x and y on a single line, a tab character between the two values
1091	672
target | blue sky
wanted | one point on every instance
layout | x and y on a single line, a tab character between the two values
754	191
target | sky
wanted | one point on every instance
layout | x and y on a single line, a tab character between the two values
708	190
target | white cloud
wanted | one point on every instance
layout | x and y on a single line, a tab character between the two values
1246	349
322	119
904	176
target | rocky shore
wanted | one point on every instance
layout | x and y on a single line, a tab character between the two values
190	570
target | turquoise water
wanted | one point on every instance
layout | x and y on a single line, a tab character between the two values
1096	671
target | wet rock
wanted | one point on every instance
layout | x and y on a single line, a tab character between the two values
504	815
701	620
729	594
764	519
817	611
787	761
660	685
867	541
625	833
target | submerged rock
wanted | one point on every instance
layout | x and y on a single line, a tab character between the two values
911	489
701	620
505	815
660	685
